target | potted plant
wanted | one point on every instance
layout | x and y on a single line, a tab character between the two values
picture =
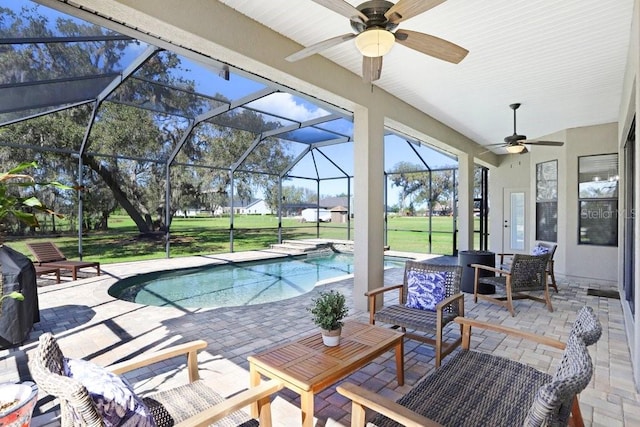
328	310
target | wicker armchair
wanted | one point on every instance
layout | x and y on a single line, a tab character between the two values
479	389
423	321
189	405
507	259
528	273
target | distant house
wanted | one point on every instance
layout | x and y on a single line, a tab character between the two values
257	207
239	206
332	202
339	214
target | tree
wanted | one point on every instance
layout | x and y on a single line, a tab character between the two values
291	195
410	178
14	203
442	188
142	138
413	181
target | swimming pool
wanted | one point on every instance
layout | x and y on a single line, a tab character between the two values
238	284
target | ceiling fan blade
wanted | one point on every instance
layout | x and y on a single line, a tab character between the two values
319	47
485	152
525	151
548	143
406	9
431	45
343	8
371	68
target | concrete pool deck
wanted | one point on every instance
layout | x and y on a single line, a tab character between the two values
91	324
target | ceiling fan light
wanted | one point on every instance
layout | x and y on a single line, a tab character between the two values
515	149
375	42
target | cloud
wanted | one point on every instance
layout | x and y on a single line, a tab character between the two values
287	106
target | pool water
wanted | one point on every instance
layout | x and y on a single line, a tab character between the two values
238	284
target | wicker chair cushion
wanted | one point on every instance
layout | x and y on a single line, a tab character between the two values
425	289
173	406
114	399
474	389
410	318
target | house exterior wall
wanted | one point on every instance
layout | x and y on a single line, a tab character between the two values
629	106
519	171
513	172
603	260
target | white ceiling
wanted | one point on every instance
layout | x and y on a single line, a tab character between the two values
564	61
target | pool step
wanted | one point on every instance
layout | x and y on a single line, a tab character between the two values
296	247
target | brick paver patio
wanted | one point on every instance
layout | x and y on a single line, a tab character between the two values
91	324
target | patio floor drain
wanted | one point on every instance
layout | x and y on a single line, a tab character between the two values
602	293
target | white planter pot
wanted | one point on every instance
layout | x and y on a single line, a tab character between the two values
331	338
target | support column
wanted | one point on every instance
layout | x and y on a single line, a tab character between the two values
465	202
368	135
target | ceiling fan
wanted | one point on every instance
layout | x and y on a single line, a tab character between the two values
373	22
515	144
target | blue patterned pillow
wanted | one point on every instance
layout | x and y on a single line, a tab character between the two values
113	397
425	290
539	250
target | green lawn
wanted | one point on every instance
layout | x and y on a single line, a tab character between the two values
193	236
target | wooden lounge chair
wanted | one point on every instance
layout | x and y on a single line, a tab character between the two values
481	389
43	269
189	405
47	254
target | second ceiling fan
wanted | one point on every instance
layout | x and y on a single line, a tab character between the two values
515	144
373	22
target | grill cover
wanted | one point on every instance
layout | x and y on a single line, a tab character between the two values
17	317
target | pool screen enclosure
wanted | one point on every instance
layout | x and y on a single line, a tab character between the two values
145	112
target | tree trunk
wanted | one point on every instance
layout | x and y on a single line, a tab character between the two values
120	196
104	221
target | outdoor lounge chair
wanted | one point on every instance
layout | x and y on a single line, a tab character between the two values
42	270
528	273
49	255
480	389
190	405
430	321
540	248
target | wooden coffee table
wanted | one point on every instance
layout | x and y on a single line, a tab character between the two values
307	366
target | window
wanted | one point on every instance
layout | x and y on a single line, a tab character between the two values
547	201
598	200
